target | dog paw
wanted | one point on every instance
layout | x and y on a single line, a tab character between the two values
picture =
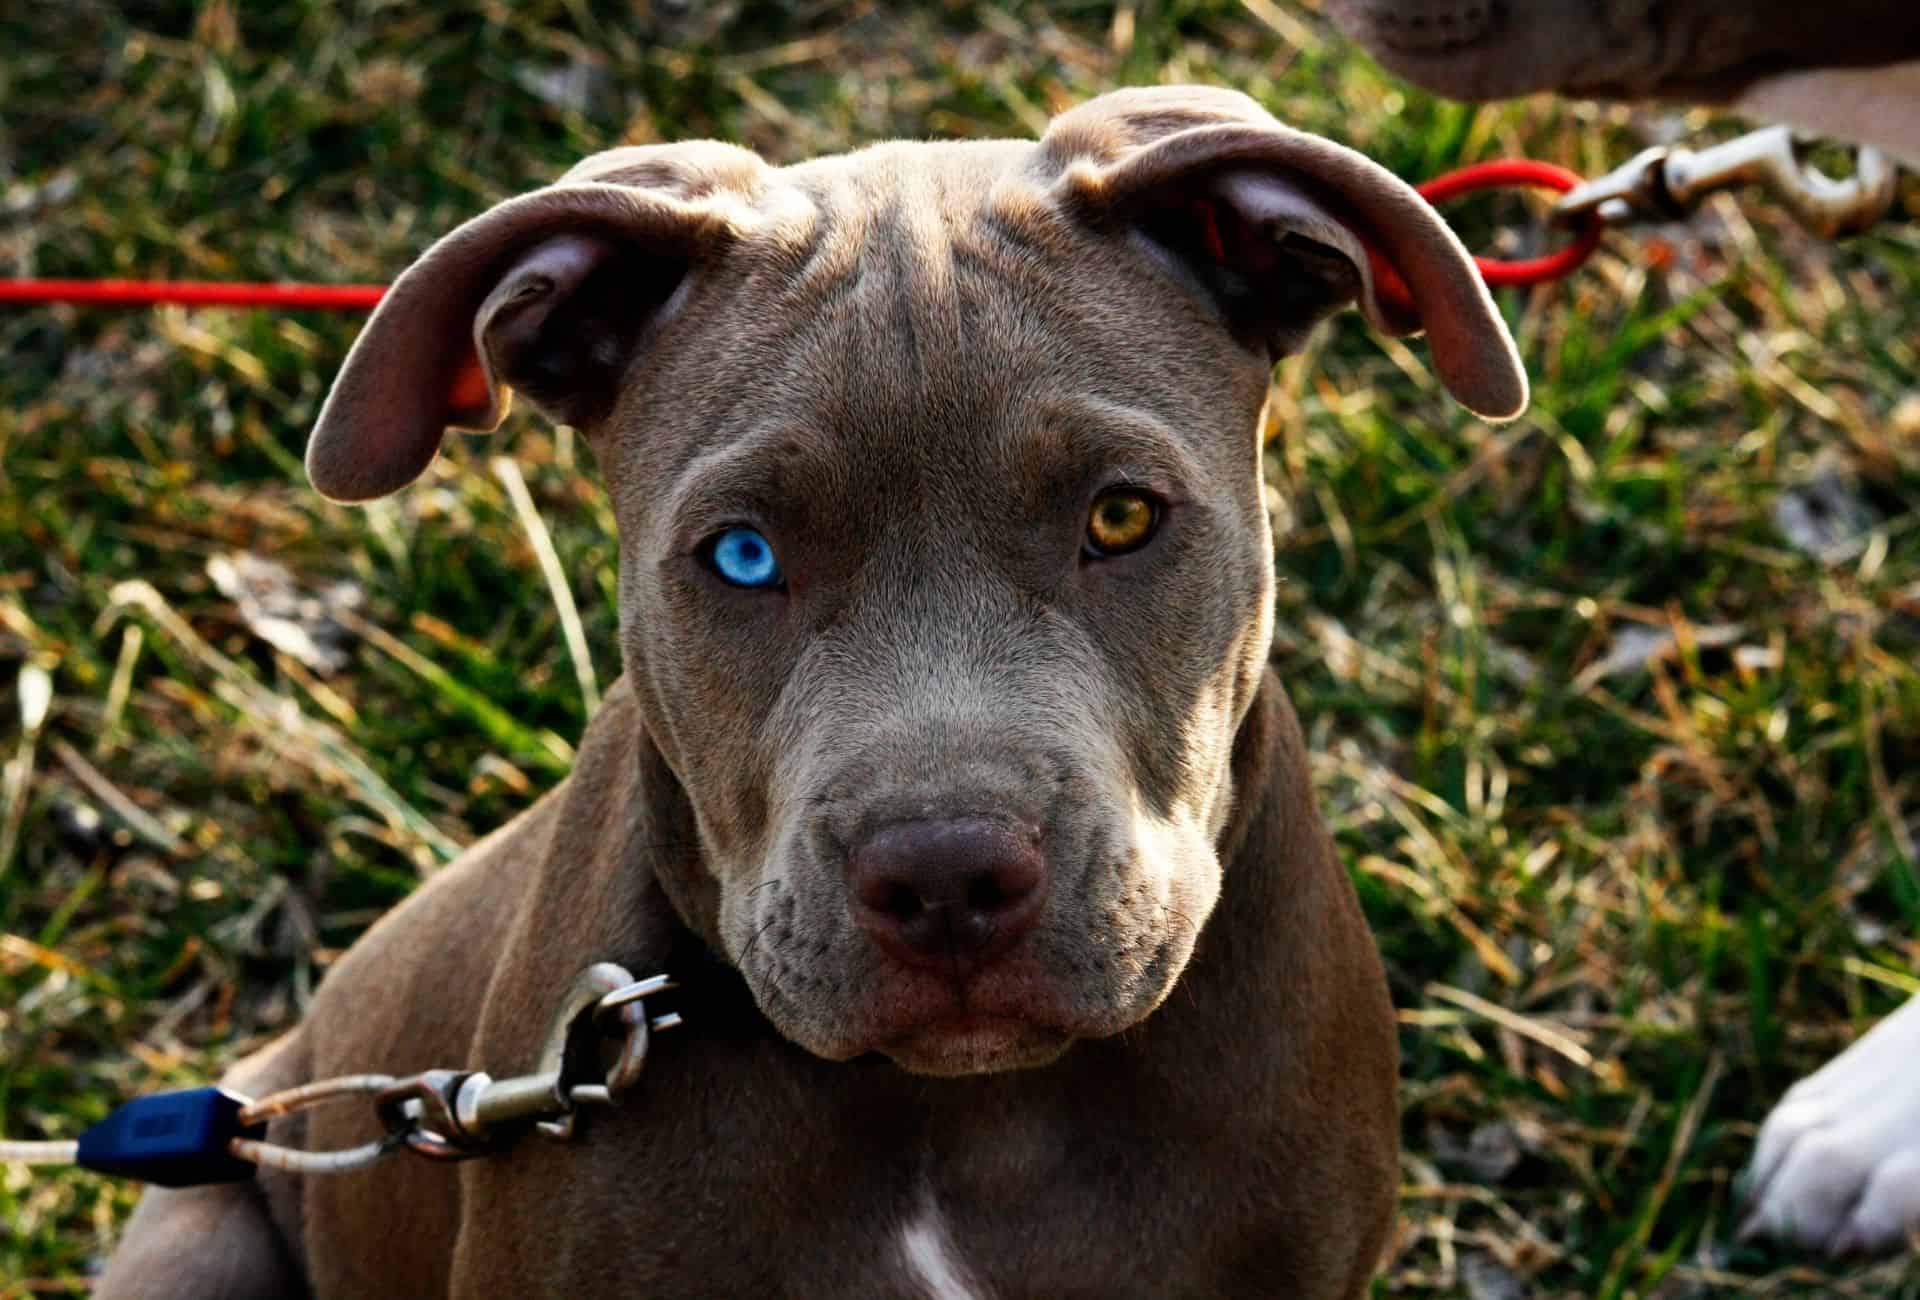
1837	1166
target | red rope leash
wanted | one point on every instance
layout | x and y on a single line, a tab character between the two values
1519	173
194	293
1504	173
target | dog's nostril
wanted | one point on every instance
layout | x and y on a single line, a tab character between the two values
984	894
934	892
902	902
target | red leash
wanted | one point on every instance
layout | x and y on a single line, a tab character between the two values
1513	173
1505	173
1519	173
193	293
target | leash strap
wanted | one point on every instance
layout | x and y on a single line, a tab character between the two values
200	1136
193	293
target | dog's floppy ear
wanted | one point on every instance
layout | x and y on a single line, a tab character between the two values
547	293
1279	227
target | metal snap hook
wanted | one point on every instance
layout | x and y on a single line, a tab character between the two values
1663	184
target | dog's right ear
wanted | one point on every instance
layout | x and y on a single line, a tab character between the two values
549	293
1277	227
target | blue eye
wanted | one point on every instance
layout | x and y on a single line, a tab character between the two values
744	558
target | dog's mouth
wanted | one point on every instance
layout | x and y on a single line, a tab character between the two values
976	1044
1006	1018
1012	1016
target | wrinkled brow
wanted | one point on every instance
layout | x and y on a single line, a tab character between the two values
763	473
1091	432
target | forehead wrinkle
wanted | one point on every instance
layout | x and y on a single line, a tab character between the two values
908	313
833	259
912	295
749	471
883	214
898	340
926	212
1086	426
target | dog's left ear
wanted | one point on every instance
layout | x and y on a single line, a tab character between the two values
552	293
1279	228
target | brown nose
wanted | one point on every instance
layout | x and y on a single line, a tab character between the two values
942	894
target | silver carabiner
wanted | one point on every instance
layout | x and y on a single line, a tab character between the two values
1633	191
603	991
1663	184
455	1114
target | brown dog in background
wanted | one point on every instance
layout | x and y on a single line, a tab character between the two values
947	728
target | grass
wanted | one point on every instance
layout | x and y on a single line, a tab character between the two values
1625	900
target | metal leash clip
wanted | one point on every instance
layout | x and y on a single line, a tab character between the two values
458	1114
1664	184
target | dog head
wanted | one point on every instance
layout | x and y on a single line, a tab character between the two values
945	571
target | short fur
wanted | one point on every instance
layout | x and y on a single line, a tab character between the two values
911	368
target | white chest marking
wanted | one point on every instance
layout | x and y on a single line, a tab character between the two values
930	1258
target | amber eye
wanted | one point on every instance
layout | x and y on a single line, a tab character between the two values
1123	520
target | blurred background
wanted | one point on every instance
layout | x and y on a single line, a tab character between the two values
1615	710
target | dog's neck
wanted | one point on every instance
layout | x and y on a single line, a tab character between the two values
1252	768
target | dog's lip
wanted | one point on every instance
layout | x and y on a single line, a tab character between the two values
972	1021
911	1002
970	1025
907	1011
971	1043
993	1015
957	1020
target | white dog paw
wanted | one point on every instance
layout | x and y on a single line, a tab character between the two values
1837	1166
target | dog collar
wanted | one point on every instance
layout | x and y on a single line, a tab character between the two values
713	1001
709	994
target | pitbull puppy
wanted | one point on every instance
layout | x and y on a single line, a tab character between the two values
1845	68
947	728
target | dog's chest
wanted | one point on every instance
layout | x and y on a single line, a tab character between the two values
929	1259
710	1187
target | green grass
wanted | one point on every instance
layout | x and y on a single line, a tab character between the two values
1622	911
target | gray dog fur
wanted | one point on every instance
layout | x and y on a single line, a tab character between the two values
911	368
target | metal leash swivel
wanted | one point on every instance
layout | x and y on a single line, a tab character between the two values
458	1114
1664	184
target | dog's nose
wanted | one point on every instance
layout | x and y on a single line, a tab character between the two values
944	893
